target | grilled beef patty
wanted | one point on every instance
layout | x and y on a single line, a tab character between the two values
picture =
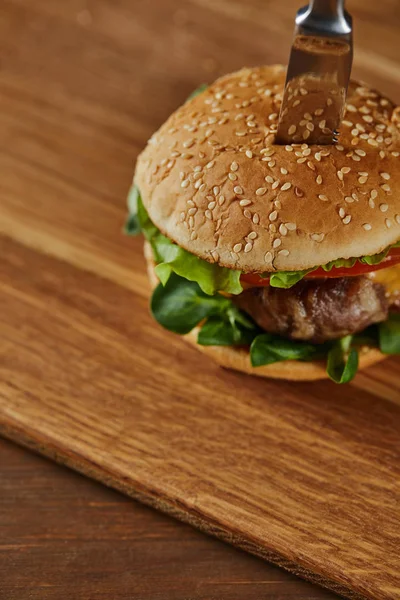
317	310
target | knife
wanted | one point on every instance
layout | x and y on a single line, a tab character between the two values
318	74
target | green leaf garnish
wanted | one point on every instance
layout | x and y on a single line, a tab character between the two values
389	335
267	349
132	225
342	361
180	305
198	91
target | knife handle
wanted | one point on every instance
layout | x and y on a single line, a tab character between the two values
324	17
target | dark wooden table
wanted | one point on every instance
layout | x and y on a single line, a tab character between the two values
100	76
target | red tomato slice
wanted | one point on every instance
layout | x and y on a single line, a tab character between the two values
392	258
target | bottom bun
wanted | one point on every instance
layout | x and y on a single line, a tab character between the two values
238	359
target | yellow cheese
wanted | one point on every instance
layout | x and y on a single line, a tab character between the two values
390	278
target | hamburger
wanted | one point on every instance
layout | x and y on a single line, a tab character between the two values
276	260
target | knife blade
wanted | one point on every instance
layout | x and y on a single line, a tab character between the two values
318	74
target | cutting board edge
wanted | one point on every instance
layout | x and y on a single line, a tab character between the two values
15	433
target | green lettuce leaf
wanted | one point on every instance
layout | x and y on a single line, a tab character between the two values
287	279
389	335
171	258
198	91
219	331
132	225
342	362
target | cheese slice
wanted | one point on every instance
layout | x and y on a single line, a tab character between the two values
390	278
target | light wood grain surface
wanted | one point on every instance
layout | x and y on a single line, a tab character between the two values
304	475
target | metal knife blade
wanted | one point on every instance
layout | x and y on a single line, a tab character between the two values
318	74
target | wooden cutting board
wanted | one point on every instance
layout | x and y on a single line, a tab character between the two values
306	475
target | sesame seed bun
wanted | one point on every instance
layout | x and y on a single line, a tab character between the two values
238	359
213	181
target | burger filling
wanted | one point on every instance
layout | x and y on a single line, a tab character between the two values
329	312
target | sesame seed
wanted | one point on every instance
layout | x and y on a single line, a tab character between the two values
367	227
306	152
339	175
249	154
240	133
351	108
311	165
216	190
188	143
261	191
192	211
299	192
252	235
397	219
342	212
317	156
272	227
248	247
362	179
291	226
348	199
346	220
211	205
197	175
275	184
306	134
372	142
296	103
278	204
277	243
247	213
347	123
360	152
292	129
284	171
388	223
396	154
237	189
289	148
345	170
232	176
245	202
371	203
317	237
268	257
256	219
383	207
367	118
319	179
301	160
385	176
269	179
329	102
354	133
208	214
237	247
339	147
286	186
210	164
282	229
354	196
273	216
323	198
385	187
272	163
185	183
234	166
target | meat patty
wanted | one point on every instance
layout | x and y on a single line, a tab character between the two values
317	309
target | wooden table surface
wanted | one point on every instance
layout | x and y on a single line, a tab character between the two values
82	86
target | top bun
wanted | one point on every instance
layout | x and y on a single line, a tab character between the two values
214	182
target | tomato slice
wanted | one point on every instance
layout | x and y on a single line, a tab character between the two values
393	258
